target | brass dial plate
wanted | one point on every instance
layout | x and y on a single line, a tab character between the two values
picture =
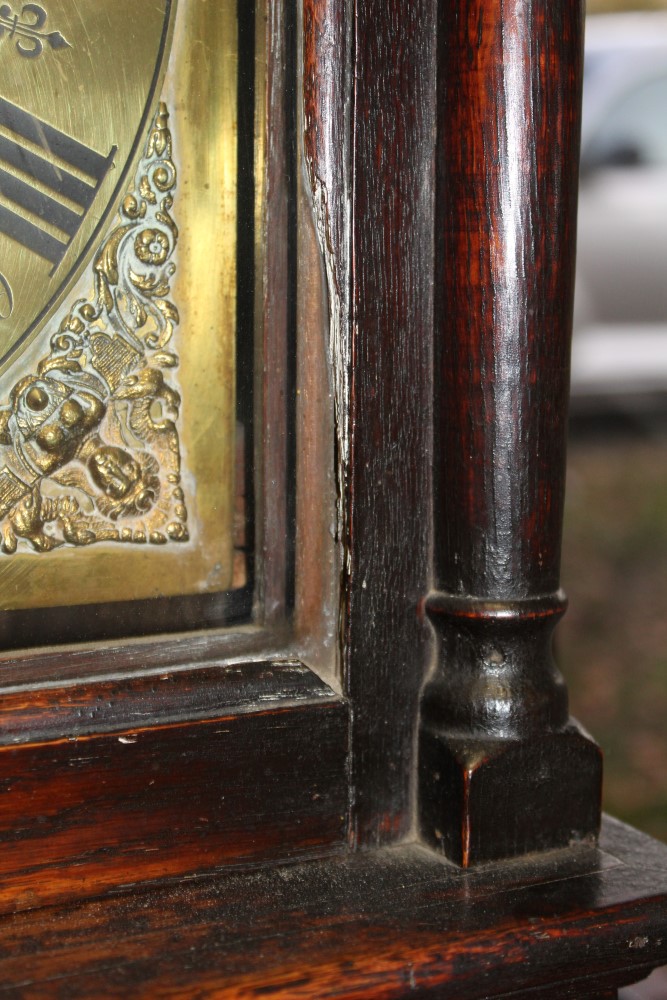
117	299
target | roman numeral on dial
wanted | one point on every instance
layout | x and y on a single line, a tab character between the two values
48	182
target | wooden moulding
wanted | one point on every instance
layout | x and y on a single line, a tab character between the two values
388	527
503	770
122	781
127	760
381	925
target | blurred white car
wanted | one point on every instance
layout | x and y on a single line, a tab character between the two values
620	339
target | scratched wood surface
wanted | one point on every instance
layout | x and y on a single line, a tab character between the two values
396	923
509	113
178	773
249	777
369	114
502	769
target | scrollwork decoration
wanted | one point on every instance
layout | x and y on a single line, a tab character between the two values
89	444
26	30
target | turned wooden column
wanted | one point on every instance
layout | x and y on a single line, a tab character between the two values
503	769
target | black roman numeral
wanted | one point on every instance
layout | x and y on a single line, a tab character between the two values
46	156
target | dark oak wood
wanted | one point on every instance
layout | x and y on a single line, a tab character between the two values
176	694
509	108
502	768
178	773
388	924
388	529
88	663
174	778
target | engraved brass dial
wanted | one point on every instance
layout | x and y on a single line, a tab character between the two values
118	158
78	82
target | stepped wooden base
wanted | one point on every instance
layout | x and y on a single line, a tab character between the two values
481	800
397	923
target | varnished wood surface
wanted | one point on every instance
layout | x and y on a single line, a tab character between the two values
502	769
509	112
183	772
224	782
77	710
389	501
397	923
86	663
369	115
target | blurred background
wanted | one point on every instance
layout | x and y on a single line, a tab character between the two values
612	644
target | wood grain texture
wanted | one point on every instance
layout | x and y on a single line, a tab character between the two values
241	770
325	322
87	663
396	923
174	695
127	781
388	540
327	83
509	109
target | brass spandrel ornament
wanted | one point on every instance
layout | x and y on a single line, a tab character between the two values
78	84
117	299
89	445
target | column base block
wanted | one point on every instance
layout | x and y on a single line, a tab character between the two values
485	799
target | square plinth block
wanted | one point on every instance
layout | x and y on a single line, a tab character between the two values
481	800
